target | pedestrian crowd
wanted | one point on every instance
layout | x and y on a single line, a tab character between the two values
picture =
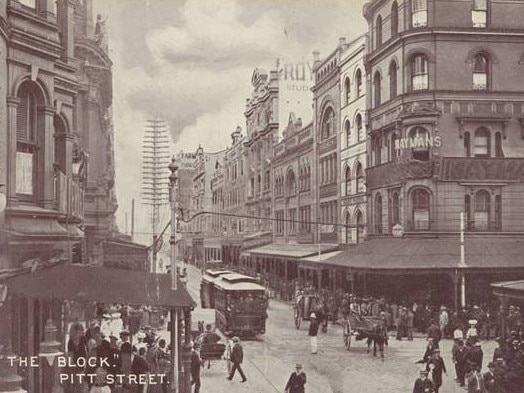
503	374
124	364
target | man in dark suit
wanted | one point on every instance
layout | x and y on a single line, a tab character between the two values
296	381
237	356
196	365
490	380
423	384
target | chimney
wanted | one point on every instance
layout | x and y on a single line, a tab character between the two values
298	124
316	60
342	41
236	135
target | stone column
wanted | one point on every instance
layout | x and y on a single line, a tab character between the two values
12	106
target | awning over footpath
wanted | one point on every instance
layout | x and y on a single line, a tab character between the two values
101	284
382	255
509	289
289	251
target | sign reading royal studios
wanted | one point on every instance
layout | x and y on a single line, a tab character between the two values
295	95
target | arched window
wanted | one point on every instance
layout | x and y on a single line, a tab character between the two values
358	82
359	221
27	143
481	72
498	213
498	145
378	32
482	210
419	72
482	146
419	13
308	177
479	14
378	214
347	130
327	123
420	209
467	144
392	80
60	145
348	228
376	89
291	184
394	19
361	186
347	180
395	209
467	210
376	147
360	129
347	86
419	140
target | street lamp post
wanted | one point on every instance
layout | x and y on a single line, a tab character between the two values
50	349
173	179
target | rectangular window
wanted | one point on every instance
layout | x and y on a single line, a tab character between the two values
421	219
292	220
24	173
479	14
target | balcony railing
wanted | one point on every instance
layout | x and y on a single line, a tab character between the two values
69	196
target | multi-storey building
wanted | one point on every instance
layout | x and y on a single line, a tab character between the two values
228	187
262	132
326	107
352	142
293	192
201	222
185	162
446	124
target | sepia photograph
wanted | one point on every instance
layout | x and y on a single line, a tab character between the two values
232	196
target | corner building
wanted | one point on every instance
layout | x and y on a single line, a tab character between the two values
446	127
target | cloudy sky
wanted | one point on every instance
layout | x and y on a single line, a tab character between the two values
190	62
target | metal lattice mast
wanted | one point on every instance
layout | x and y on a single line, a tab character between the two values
155	173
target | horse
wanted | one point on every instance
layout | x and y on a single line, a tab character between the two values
379	337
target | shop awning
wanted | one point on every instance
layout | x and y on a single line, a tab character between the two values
509	289
101	284
288	250
418	254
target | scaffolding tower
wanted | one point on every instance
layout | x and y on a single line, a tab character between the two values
155	176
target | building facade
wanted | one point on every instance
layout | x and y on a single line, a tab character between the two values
326	123
352	142
261	134
445	122
294	195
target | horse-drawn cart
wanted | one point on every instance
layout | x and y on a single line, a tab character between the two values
370	327
305	304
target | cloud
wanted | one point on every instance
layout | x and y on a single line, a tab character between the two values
191	61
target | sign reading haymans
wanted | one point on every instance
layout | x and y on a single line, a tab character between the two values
418	142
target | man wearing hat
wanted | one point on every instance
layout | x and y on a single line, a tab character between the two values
436	366
489	378
237	356
296	381
196	365
423	384
313	331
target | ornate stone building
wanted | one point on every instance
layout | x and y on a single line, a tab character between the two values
352	142
262	132
294	194
446	107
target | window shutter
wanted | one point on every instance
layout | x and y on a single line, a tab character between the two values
21	119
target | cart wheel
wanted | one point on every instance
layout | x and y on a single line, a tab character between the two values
297	319
347	336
